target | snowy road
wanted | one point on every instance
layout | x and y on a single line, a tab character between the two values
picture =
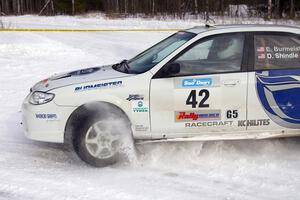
266	169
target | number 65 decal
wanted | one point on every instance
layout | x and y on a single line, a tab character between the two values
232	114
192	99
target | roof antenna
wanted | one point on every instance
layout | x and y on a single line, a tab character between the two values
209	21
207	25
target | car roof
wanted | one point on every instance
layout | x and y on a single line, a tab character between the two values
244	27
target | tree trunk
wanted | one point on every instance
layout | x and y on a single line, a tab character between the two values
133	7
206	11
292	9
125	7
269	9
18	7
73	7
3	7
237	12
14	6
222	7
153	6
117	6
196	6
277	9
52	8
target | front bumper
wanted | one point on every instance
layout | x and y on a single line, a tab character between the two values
45	122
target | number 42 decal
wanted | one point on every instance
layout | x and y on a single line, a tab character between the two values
192	99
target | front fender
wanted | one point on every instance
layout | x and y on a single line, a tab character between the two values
115	94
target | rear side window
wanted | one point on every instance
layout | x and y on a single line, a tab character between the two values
277	51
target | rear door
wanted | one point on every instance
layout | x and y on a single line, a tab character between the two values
274	84
208	95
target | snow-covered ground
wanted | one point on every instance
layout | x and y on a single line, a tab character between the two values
266	169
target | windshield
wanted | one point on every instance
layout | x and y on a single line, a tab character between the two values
152	56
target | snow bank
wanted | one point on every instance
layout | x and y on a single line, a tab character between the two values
96	20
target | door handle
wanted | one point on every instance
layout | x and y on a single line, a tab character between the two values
231	83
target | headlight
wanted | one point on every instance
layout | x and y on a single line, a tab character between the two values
38	98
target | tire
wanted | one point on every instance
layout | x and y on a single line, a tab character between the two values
99	137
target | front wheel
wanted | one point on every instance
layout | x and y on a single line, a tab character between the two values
98	141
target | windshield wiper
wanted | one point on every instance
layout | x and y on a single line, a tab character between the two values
122	64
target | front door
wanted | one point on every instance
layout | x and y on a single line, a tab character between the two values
209	93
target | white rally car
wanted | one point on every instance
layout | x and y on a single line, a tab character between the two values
204	83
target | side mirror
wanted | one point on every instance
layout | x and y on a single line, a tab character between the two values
172	68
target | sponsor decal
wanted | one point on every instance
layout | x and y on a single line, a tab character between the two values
139	107
141	128
203	115
279	56
80	72
212	81
135	97
197	82
276	52
285	55
284	49
279	94
208	124
254	122
46	116
84	71
98	86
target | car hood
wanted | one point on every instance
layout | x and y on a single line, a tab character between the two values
77	77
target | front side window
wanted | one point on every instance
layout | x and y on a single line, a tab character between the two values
217	54
277	51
